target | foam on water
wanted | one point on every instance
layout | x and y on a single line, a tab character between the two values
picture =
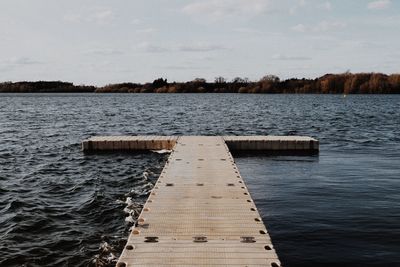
162	151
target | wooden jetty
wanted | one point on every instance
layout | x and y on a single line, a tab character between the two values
200	212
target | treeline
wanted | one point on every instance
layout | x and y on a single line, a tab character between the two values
345	83
45	87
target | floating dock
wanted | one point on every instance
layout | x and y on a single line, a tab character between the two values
235	143
199	212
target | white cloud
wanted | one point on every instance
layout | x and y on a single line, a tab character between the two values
23	61
192	47
75	18
16	62
104	52
326	6
136	21
378	5
98	15
216	10
201	47
299	28
102	16
146	30
299	4
247	30
152	48
290	58
323	26
182	67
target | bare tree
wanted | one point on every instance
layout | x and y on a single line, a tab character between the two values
220	79
239	80
270	78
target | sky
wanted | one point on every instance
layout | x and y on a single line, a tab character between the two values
108	41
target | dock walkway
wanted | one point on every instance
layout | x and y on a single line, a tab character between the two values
199	212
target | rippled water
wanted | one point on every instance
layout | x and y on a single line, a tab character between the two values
59	206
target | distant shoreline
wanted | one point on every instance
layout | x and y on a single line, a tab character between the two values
344	83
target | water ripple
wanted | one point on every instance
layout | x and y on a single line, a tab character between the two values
61	207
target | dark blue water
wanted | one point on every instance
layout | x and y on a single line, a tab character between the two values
61	207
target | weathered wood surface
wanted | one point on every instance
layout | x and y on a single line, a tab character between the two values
199	213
